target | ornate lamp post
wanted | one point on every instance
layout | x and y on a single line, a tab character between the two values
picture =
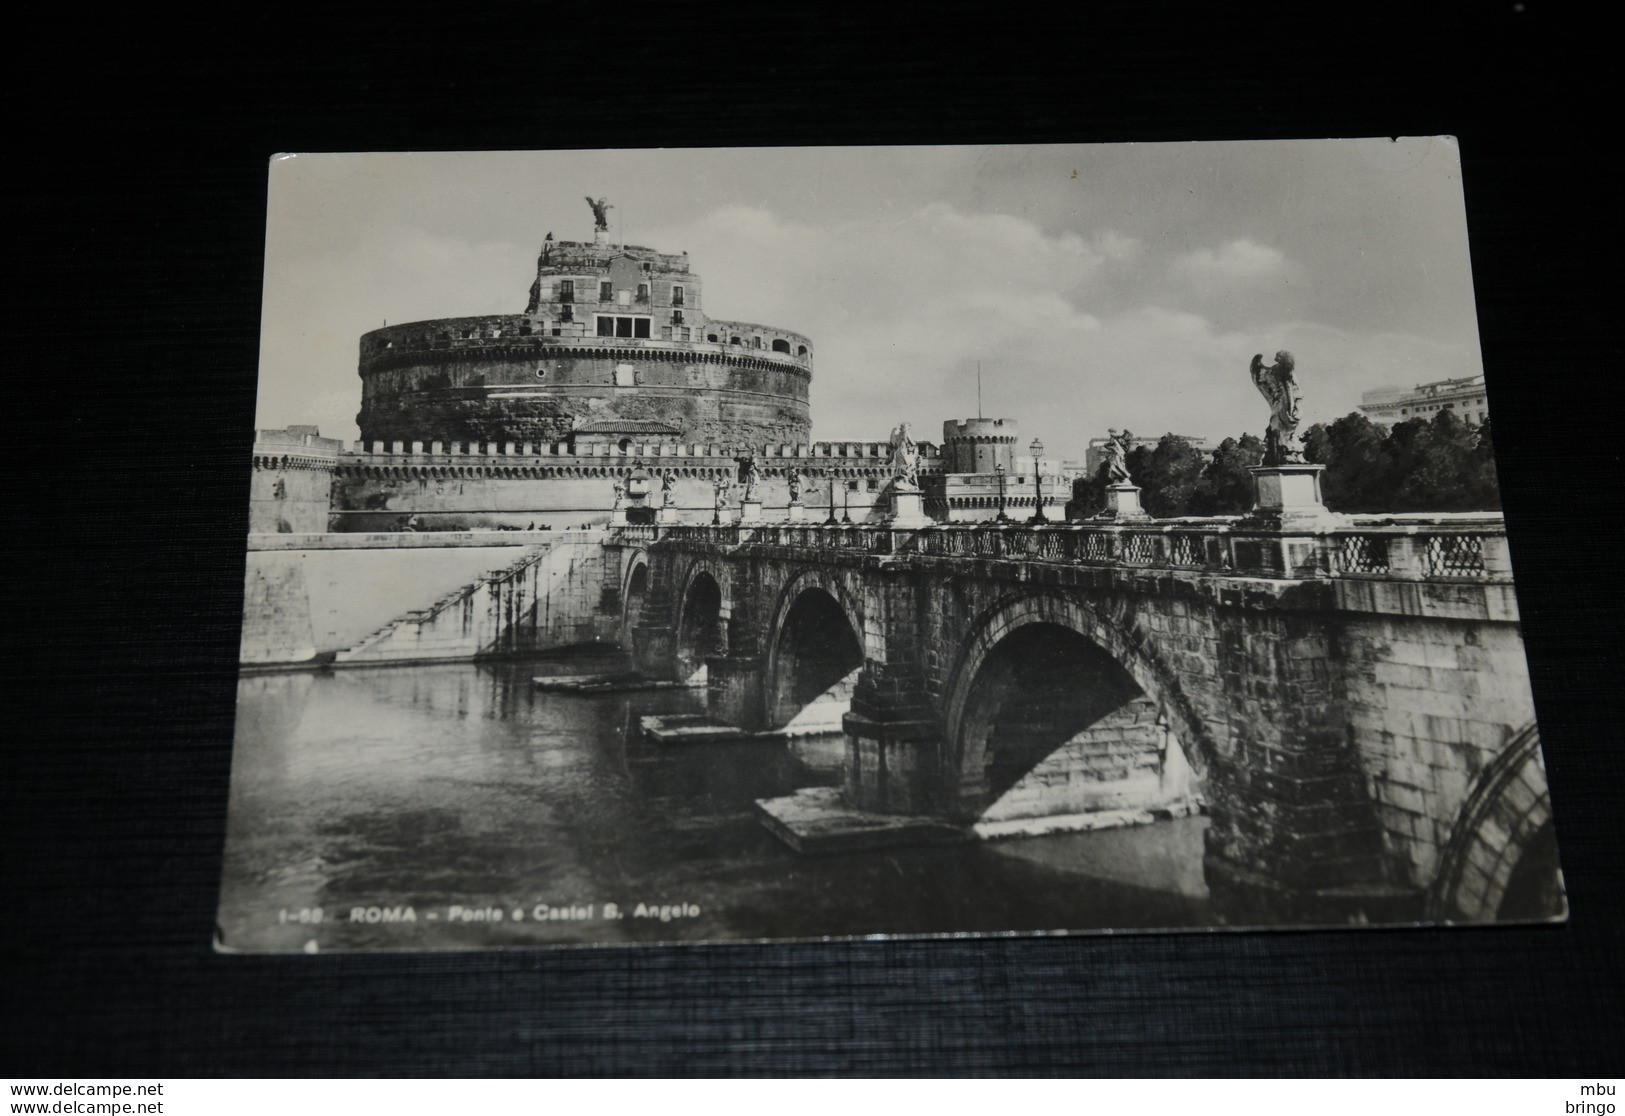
1037	449
831	521
1001	517
846	516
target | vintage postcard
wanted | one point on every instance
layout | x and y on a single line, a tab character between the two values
719	545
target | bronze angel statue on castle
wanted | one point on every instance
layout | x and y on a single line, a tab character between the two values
600	212
1277	385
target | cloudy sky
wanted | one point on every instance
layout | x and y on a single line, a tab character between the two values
1098	286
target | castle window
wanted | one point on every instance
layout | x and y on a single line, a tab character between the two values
801	350
677	296
567	290
677	317
711	337
643	292
566	314
756	342
606	292
541	372
733	340
781	346
623	326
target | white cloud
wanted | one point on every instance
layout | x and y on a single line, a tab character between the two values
1238	261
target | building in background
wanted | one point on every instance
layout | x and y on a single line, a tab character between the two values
986	470
1465	396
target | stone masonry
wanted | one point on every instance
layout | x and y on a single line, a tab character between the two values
1341	712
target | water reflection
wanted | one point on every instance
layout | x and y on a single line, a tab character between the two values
405	791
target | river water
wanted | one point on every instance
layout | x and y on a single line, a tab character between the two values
449	806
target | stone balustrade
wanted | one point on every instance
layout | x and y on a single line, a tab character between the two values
1413	548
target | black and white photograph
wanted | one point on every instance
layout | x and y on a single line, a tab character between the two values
736	544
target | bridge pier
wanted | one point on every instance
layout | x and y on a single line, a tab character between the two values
889	765
654	651
734	687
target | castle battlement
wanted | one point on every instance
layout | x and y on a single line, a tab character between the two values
874	455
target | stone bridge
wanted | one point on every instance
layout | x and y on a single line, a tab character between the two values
1352	700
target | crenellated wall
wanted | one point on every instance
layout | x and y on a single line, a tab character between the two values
289	490
980	445
463	485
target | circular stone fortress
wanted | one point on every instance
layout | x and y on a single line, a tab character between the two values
614	342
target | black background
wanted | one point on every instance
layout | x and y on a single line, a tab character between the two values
134	201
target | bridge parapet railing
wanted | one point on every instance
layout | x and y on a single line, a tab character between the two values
636	532
1189	547
1431	549
1413	548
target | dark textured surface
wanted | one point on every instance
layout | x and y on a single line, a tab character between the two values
135	218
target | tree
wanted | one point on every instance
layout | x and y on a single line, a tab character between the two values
1485	486
1446	469
1088	495
1359	473
1168	475
1226	487
1420	465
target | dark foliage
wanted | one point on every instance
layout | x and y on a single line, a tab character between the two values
1422	465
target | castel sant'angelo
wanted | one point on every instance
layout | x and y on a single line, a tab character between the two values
614	340
613	397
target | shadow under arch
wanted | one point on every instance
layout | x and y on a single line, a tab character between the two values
815	652
1035	672
634	593
699	627
1500	862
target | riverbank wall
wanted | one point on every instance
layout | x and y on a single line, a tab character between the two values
361	599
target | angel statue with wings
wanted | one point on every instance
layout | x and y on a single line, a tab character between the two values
749	474
1117	447
600	213
1276	384
905	457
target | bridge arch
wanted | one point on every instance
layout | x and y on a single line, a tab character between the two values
815	643
1032	675
634	592
700	626
1501	859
